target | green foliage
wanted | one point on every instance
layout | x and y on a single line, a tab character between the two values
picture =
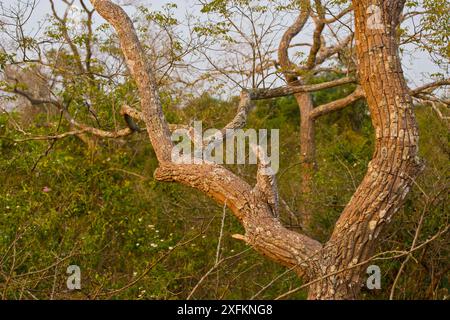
163	18
104	212
435	31
4	59
135	238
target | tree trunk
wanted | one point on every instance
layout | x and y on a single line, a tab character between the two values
395	163
307	154
335	268
305	104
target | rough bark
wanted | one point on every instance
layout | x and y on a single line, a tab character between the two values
142	73
263	231
307	154
395	163
390	174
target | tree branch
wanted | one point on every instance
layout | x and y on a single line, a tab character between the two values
427	88
143	74
338	104
260	94
263	231
291	32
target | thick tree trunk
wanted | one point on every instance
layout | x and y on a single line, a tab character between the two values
395	163
337	267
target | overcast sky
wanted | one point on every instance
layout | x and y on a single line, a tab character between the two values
417	67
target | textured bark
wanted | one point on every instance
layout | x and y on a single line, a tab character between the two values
395	164
142	73
263	231
297	87
338	104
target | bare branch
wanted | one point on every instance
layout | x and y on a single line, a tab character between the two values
427	88
266	184
263	231
142	73
260	94
291	32
338	104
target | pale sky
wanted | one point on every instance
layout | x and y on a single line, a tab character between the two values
417	67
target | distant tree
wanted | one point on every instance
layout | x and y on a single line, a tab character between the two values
263	48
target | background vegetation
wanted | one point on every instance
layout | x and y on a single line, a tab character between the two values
135	238
66	202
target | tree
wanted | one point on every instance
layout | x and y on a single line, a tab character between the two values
251	31
337	265
332	270
78	63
